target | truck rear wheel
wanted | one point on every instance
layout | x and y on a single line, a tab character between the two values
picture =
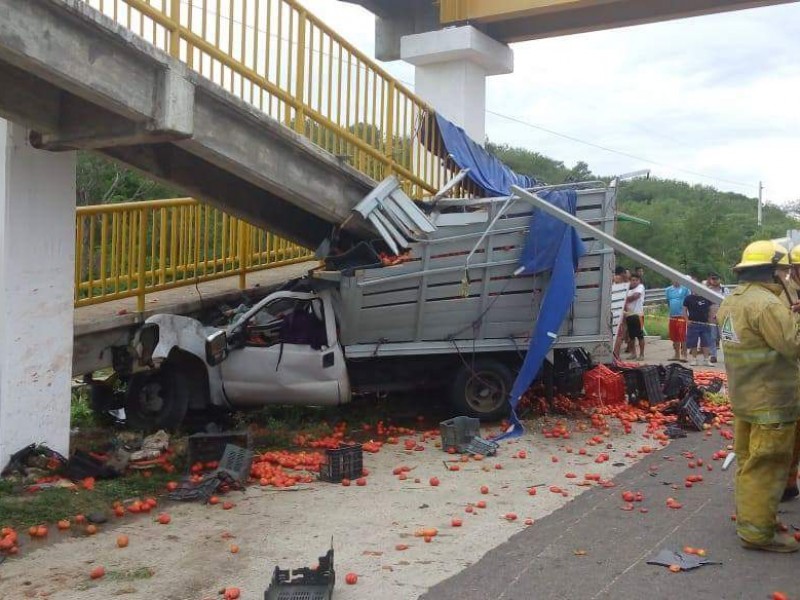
481	389
154	401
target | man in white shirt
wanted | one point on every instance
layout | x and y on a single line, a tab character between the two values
634	315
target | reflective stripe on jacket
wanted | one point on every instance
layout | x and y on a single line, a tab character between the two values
761	342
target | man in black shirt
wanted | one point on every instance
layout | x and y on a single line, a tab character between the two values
696	310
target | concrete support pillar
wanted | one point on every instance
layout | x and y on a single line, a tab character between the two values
451	70
37	265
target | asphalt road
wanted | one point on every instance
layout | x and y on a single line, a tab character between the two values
541	563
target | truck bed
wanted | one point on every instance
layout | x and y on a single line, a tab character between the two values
435	303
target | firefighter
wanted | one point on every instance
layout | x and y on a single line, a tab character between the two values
761	342
792	298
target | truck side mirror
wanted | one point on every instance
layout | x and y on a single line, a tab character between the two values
216	348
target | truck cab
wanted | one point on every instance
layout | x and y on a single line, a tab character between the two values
285	348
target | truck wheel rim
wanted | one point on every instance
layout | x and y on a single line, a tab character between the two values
485	392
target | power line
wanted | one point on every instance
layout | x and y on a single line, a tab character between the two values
619	152
578	140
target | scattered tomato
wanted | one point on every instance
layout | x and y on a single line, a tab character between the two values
351	579
97	572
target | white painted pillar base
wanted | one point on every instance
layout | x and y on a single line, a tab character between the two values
37	266
451	70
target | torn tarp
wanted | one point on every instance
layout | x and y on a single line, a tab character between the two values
551	245
457	149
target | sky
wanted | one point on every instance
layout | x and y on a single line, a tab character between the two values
713	100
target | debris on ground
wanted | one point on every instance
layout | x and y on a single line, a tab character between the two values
681	561
306	582
153	447
34	462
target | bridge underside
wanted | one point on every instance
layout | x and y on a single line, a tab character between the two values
505	21
80	81
519	20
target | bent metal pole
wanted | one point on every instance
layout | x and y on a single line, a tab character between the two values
619	246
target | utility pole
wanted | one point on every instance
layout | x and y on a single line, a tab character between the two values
760	205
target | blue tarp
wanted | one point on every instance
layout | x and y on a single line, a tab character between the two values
485	170
551	244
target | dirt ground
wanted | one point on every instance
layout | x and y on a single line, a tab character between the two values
189	559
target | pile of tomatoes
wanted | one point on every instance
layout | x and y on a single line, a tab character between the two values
270	468
9	541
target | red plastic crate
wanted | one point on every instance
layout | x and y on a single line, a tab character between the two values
603	387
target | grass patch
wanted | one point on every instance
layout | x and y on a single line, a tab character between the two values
22	509
130	574
81	413
657	325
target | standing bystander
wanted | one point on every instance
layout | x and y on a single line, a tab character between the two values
676	294
634	312
698	332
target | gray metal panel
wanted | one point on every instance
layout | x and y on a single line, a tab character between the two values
508	239
442	319
422	299
464	346
441	262
454	290
438	278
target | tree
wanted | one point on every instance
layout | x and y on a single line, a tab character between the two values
102	181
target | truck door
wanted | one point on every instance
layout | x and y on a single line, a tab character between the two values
287	353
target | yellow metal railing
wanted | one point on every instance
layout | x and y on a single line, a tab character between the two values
279	57
132	249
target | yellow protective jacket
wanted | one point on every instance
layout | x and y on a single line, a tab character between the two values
761	341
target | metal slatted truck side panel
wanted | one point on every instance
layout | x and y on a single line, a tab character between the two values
459	291
450	314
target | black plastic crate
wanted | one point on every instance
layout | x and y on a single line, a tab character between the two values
569	365
631	379
458	432
236	462
480	446
677	380
650	385
305	583
346	462
209	447
689	412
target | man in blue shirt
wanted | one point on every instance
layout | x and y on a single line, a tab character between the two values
676	294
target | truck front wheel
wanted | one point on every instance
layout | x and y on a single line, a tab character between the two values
481	389
154	401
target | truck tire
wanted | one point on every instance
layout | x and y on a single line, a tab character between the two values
153	401
480	389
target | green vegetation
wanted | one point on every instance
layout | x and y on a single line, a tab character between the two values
22	509
101	181
694	228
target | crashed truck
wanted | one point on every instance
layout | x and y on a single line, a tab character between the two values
436	300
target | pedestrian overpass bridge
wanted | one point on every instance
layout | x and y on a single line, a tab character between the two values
254	107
